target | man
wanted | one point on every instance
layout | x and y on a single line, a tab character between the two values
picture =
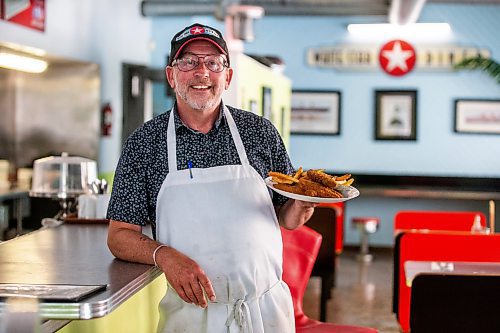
196	173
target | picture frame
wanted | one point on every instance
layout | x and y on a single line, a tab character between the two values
315	112
396	115
477	116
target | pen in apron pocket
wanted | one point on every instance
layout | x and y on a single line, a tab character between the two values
190	167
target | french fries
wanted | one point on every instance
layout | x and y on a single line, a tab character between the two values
281	178
313	182
298	173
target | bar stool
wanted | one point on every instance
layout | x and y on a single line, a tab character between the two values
365	226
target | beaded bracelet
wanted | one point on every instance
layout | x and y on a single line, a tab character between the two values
156	250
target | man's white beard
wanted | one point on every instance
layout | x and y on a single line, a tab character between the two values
196	104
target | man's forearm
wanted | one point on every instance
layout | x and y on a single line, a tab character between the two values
130	244
186	277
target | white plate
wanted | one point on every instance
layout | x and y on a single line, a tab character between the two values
348	192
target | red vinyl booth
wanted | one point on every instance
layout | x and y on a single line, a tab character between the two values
300	249
429	220
436	220
441	247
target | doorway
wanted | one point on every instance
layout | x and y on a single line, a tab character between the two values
146	94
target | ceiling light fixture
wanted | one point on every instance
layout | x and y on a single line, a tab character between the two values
21	62
414	29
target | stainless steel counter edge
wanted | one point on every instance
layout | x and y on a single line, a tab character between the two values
98	309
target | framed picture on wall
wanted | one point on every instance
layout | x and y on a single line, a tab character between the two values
395	115
315	112
267	103
480	116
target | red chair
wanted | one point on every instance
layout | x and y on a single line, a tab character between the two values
436	220
300	249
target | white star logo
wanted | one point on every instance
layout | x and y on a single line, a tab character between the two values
397	57
197	30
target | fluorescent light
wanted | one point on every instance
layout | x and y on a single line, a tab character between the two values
22	63
25	49
427	29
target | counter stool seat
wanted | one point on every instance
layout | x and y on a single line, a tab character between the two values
365	225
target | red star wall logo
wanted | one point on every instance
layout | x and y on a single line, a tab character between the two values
197	30
397	57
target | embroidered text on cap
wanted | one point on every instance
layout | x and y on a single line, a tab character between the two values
197	31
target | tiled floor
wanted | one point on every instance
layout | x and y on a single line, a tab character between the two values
362	296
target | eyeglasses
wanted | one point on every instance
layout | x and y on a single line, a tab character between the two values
189	61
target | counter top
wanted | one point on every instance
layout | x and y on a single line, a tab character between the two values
414	268
15	193
426	186
427	193
398	191
73	254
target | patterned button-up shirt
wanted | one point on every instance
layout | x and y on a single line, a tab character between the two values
143	164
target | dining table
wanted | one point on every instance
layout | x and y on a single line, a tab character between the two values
454	296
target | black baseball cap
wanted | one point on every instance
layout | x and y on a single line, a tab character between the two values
196	32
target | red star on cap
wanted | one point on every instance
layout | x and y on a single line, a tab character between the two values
196	30
397	57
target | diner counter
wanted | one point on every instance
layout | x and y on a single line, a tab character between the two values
427	193
15	193
72	254
396	191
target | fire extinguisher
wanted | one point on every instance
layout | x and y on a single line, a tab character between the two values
107	119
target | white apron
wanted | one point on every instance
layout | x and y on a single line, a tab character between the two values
223	218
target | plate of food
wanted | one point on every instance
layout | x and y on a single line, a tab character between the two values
313	186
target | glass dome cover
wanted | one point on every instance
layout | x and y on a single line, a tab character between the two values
62	176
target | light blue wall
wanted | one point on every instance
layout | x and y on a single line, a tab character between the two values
437	151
